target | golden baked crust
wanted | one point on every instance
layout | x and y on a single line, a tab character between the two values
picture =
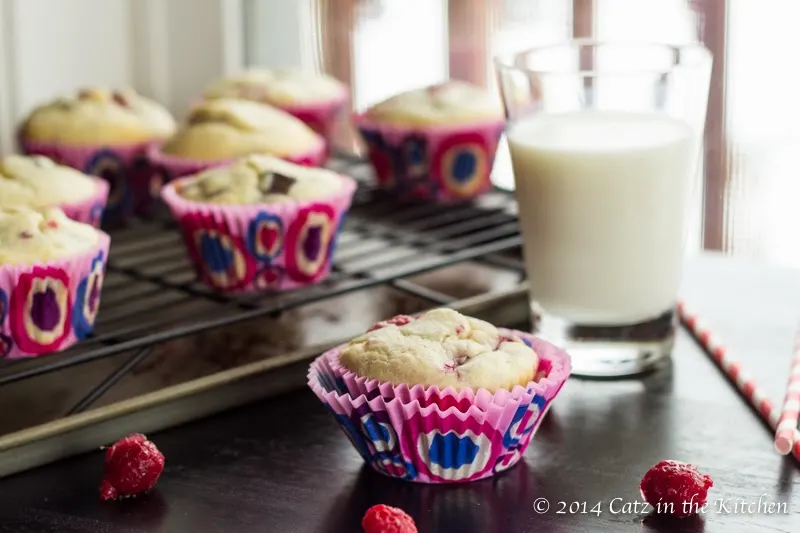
453	102
99	116
279	87
38	182
229	128
29	236
441	348
259	179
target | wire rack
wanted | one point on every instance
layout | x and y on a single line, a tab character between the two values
151	296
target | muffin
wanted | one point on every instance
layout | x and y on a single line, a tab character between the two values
260	223
316	99
38	182
102	133
442	397
51	275
216	132
442	348
434	143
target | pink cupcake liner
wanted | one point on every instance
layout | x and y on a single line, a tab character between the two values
171	167
90	210
322	117
249	248
441	442
124	167
441	163
48	307
546	382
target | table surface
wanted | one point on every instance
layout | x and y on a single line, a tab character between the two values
283	465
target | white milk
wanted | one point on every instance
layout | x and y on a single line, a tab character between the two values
603	200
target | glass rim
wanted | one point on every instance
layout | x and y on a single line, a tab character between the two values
509	62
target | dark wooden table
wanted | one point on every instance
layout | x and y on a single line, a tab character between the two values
283	466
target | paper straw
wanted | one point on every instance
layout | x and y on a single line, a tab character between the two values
734	371
785	435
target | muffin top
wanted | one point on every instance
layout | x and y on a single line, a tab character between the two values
441	348
278	87
260	179
37	181
30	235
452	102
99	116
227	128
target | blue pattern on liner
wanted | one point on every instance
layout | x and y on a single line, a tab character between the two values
355	436
82	324
376	431
335	237
3	306
411	158
528	342
96	214
452	451
107	165
379	460
464	166
523	422
253	234
216	256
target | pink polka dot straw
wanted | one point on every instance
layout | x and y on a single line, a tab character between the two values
745	383
786	431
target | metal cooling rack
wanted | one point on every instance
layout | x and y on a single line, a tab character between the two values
150	294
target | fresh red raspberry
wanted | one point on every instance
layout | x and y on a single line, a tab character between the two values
676	488
385	519
133	465
399	320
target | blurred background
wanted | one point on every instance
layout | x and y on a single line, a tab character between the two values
169	49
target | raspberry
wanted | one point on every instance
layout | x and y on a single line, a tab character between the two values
676	488
133	465
385	519
399	320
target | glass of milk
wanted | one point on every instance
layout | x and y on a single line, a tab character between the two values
605	141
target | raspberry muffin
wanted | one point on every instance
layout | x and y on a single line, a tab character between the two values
219	131
51	275
38	182
260	223
316	99
102	133
442	348
436	142
442	397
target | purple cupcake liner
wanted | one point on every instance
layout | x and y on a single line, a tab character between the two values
48	307
124	167
249	248
442	163
90	210
423	442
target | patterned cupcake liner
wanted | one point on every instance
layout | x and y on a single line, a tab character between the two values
550	377
171	167
89	211
321	117
124	167
249	248
418	441
441	163
48	307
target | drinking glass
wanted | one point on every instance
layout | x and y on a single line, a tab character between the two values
605	141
